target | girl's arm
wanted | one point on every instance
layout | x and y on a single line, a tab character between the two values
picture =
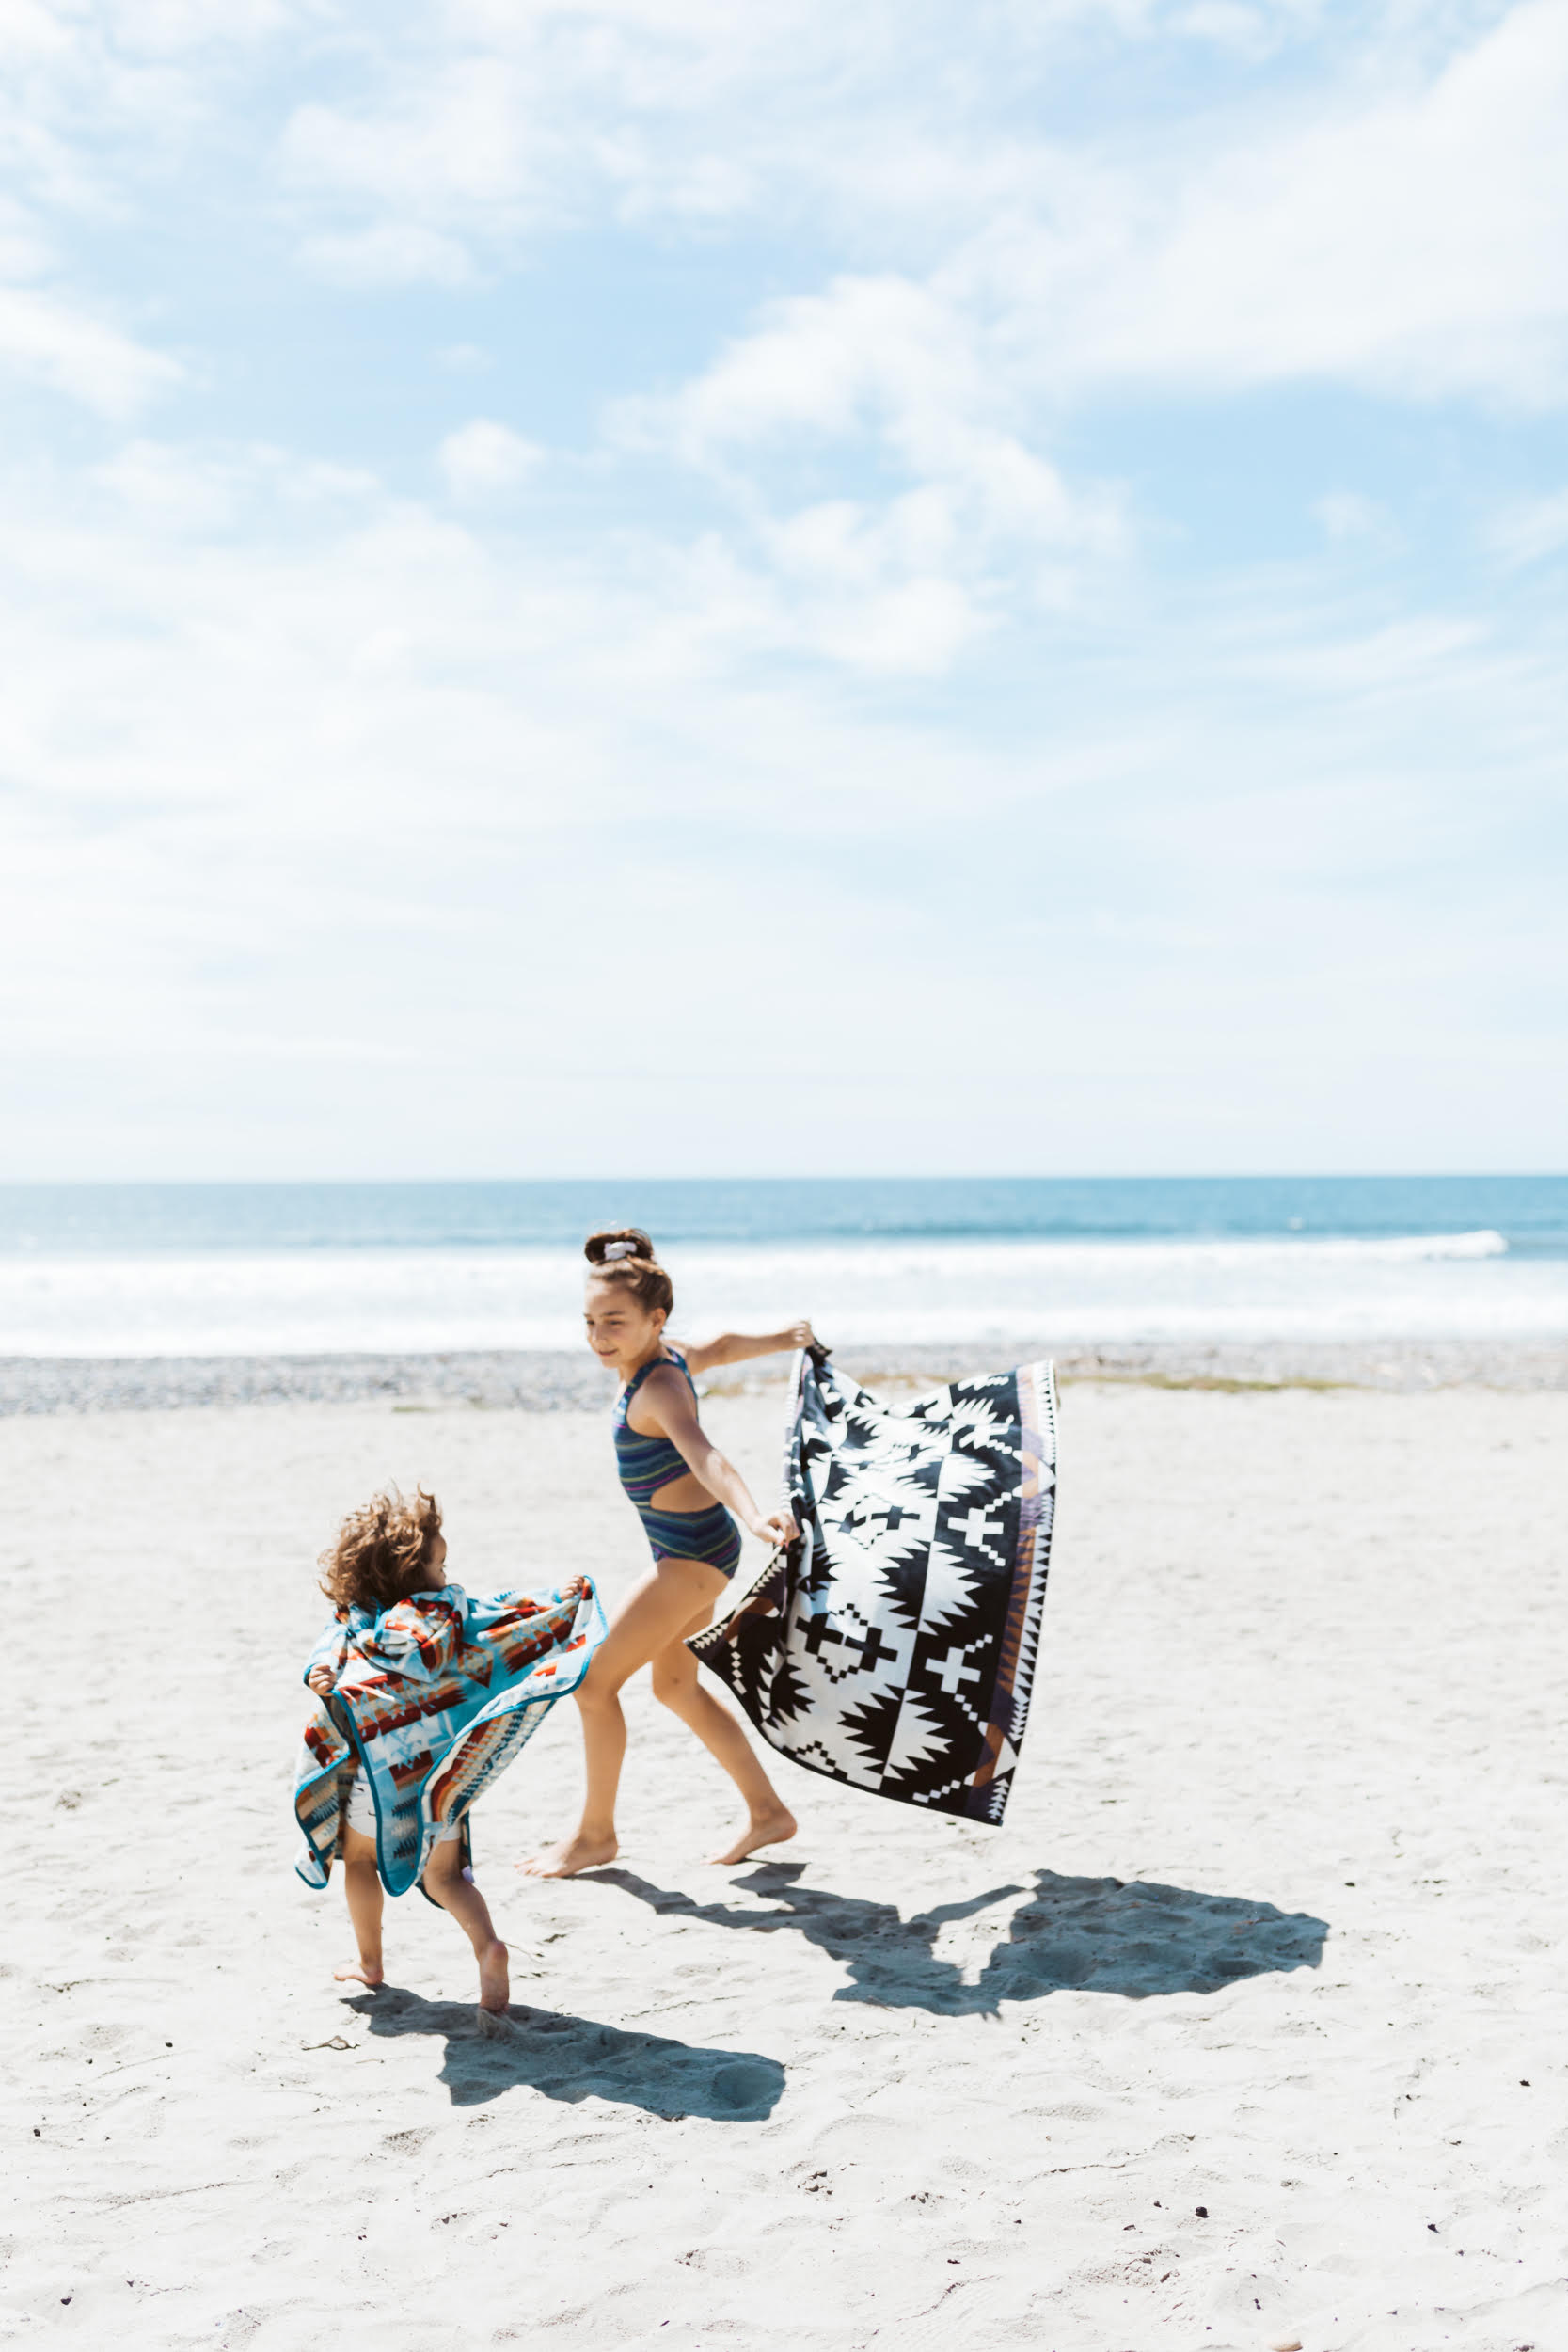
738	1347
669	1402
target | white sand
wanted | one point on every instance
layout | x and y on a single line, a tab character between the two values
924	2085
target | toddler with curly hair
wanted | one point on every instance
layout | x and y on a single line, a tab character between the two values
387	1552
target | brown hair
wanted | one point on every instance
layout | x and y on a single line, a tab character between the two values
381	1553
638	1269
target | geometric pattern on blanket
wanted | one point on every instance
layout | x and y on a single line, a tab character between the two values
434	1698
893	1644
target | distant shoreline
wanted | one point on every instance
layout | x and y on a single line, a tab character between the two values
547	1381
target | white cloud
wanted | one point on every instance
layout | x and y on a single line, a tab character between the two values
507	122
1411	244
98	103
903	580
818	364
356	777
164	489
841	659
392	253
483	459
168	489
177	27
54	343
1396	226
1346	515
1244	32
448	161
1395	222
1529	528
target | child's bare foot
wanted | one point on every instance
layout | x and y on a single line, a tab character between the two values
571	1855
765	1829
368	1972
495	1985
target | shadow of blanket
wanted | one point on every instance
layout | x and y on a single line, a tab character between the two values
1138	1940
571	2059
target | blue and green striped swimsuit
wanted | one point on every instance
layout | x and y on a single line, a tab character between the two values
646	1464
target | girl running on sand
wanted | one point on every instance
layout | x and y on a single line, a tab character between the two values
386	1553
680	1483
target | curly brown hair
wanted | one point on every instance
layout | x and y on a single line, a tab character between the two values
638	1272
381	1553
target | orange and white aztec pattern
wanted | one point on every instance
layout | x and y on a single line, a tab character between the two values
432	1700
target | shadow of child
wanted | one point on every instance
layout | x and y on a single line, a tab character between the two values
572	2058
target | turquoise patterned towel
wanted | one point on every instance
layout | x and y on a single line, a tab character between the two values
432	1700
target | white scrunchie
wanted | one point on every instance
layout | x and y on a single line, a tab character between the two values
613	1249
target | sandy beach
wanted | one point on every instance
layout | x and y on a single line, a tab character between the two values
1247	2027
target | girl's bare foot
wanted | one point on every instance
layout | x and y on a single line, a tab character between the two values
368	1972
495	1985
571	1855
766	1829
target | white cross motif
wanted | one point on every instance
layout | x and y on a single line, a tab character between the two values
953	1672
882	1650
977	1530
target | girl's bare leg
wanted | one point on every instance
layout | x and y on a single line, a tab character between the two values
365	1903
444	1880
769	1821
604	1748
675	1601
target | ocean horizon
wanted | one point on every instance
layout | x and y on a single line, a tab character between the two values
216	1269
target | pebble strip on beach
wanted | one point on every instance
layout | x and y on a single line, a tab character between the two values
539	1381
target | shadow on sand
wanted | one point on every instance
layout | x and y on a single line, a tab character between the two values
572	2058
1138	1939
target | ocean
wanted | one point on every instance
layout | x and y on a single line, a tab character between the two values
109	1270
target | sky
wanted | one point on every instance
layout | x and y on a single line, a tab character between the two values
661	587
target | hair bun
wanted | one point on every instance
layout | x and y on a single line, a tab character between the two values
615	1243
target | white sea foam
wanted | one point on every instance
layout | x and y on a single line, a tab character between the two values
303	1302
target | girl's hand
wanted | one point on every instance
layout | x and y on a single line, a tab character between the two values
321	1679
798	1334
778	1529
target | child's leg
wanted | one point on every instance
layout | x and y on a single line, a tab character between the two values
675	1683
362	1888
678	1596
444	1880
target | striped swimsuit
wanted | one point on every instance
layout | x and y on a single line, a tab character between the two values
646	1464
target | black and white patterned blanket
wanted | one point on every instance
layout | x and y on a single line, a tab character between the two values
892	1645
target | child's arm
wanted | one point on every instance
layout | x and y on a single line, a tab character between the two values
738	1347
669	1401
326	1661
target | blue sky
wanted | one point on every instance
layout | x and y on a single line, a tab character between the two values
661	587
